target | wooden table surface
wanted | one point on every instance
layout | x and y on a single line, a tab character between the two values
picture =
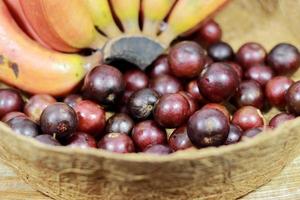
285	186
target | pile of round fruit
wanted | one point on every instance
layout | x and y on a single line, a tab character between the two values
199	94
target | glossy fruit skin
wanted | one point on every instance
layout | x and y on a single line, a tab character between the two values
218	82
218	107
135	79
220	52
166	84
208	127
209	33
23	126
104	84
158	149
193	104
119	123
36	104
91	118
251	54
249	93
186	59
179	140
280	118
148	133
171	111
82	140
72	99
193	89
160	67
276	89
250	133
47	139
237	68
117	142
142	102
234	135
284	58
260	73
10	100
248	117
12	115
58	119
293	98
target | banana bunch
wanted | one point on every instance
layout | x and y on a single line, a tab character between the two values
40	39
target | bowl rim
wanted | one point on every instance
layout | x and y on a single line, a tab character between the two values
143	157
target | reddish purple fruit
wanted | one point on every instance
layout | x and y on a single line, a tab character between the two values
119	123
72	99
220	51
171	111
186	59
193	104
12	115
10	100
218	107
148	133
248	117
135	79
23	126
280	118
209	33
259	73
91	118
166	84
82	140
250	133
293	98
179	140
117	142
250	93
218	82
234	135
36	104
208	127
47	139
237	68
251	54
276	89
160	67
158	149
284	58
193	89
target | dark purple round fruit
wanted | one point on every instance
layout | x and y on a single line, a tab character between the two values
148	133
234	135
218	82
172	110
142	102
276	89
250	93
12	115
179	140
59	120
82	140
248	117
218	107
237	68
284	58
117	142
23	126
166	84
260	73
193	104
209	33
91	118
119	123
47	139
220	51
250	133
193	89
208	127
72	99
10	101
160	67
280	118
251	54
135	79
158	149
186	59
104	84
293	98
36	104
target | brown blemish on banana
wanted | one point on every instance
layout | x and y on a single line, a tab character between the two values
15	68
1	59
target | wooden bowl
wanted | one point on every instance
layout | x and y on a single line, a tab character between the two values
226	172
